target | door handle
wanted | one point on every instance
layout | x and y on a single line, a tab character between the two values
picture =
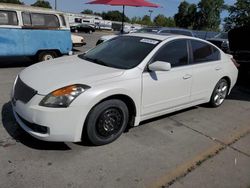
187	76
218	68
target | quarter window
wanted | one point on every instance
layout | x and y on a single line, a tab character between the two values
63	20
175	53
203	52
8	18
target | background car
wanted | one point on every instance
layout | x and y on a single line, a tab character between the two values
239	42
221	41
87	28
158	30
77	40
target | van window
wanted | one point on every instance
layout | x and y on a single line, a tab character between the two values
26	19
8	18
44	20
63	20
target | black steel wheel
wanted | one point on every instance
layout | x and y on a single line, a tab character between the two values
107	121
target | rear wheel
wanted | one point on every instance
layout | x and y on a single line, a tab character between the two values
107	121
220	93
47	55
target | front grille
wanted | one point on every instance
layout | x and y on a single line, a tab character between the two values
23	92
34	127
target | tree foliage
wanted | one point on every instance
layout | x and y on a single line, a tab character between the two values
208	15
87	11
186	15
114	16
42	3
239	15
11	1
164	21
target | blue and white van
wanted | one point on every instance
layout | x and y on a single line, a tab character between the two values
35	32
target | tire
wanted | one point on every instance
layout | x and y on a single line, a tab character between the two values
220	93
47	55
106	122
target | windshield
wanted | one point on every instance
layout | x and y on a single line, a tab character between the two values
123	52
181	32
222	36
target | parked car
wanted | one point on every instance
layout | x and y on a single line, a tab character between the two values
163	30
239	42
105	38
221	41
87	28
158	30
77	40
124	81
42	34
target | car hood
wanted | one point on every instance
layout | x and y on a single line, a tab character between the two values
48	76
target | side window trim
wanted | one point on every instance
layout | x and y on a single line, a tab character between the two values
188	63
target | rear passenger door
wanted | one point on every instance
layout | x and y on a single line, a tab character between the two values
207	69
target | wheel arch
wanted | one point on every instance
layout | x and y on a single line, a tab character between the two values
123	97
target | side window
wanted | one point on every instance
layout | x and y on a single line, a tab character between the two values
175	53
203	52
26	19
8	18
44	20
63	20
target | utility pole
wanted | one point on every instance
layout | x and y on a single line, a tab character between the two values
150	13
55	4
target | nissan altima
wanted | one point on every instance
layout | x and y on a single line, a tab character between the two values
119	83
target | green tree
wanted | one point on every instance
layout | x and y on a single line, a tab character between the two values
164	21
239	15
186	15
42	3
146	20
11	1
87	11
114	16
208	15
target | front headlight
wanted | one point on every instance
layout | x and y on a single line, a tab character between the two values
63	97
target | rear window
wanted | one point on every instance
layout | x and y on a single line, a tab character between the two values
40	20
203	52
8	18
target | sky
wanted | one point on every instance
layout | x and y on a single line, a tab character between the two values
169	7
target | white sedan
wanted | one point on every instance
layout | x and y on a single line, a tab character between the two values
119	83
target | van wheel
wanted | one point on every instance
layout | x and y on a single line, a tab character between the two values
107	121
47	55
220	93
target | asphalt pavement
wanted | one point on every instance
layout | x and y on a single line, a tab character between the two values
197	147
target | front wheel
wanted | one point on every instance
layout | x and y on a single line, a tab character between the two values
220	93
107	121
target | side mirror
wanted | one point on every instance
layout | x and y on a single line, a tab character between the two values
160	66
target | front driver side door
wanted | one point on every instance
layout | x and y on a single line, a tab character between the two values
164	90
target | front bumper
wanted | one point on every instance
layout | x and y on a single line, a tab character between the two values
62	124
